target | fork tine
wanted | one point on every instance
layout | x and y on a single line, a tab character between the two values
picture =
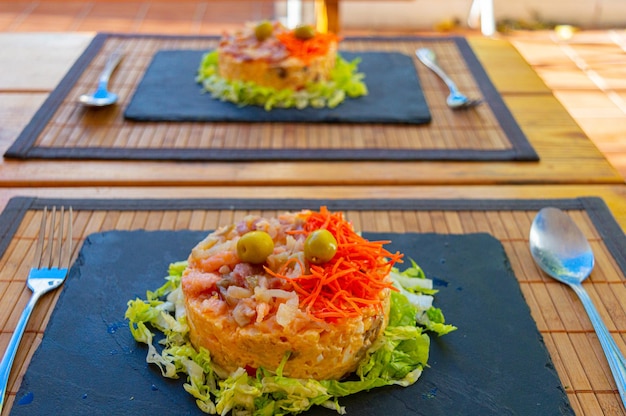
60	237
469	104
54	249
51	237
68	239
40	240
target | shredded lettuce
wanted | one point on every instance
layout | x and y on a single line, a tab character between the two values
418	291
345	81
396	358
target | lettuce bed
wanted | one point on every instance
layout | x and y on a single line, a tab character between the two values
345	82
397	358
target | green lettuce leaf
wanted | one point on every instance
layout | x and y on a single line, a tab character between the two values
418	291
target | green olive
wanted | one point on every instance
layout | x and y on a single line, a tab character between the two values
263	30
320	246
254	247
304	32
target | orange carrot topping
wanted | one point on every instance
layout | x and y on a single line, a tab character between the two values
352	280
307	49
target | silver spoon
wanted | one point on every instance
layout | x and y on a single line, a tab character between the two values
102	96
455	99
562	251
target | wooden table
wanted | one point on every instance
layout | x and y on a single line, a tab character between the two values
570	167
567	156
571	342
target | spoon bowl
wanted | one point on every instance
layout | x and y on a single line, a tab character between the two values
561	250
102	96
559	247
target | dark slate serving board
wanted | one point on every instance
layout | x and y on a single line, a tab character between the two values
494	364
168	92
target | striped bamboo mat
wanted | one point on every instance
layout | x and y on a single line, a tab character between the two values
64	129
559	316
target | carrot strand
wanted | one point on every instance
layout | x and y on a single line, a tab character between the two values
307	49
353	279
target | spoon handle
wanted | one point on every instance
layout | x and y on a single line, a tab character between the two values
109	67
616	360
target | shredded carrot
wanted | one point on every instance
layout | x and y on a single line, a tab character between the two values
351	281
307	49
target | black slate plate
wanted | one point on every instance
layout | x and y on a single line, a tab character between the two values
494	364
168	92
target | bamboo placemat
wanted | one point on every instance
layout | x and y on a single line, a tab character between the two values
560	318
62	128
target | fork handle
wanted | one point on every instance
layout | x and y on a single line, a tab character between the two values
9	355
426	56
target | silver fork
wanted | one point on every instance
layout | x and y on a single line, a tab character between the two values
455	100
48	272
